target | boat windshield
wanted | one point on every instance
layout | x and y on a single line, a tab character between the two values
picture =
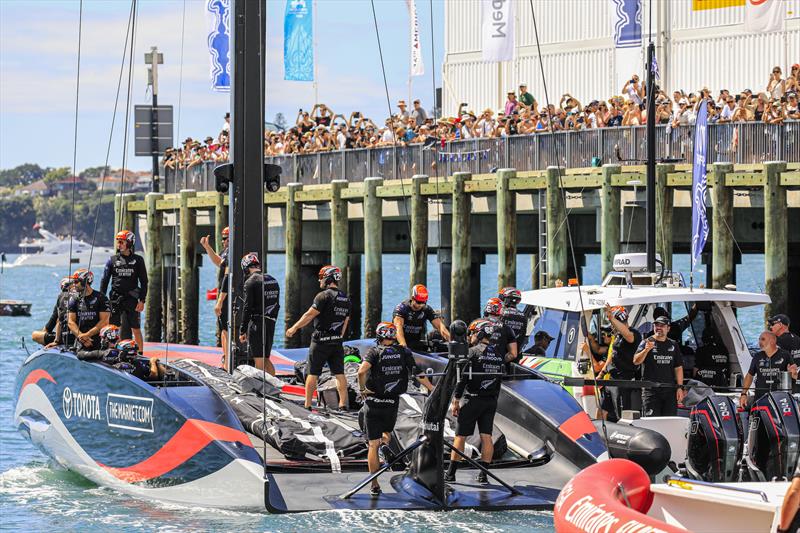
563	327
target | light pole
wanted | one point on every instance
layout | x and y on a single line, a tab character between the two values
153	58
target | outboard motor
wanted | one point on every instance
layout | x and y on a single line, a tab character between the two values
645	447
716	440
773	437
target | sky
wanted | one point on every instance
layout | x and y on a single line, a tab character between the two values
38	67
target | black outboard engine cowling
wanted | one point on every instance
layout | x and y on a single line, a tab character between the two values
716	440
773	438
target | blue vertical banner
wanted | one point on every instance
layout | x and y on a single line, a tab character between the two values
298	41
219	40
699	184
627	18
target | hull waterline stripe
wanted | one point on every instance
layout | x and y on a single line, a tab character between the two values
187	442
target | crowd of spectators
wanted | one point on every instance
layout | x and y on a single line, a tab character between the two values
321	129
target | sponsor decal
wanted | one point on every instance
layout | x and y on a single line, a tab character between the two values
429	426
80	405
571	335
130	412
724	411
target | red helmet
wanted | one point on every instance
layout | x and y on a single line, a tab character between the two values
330	274
110	334
83	276
386	331
66	283
619	313
419	293
481	327
250	260
127	349
494	307
226	232
126	236
510	296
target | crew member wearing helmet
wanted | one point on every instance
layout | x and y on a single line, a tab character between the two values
513	317
501	336
127	274
259	312
382	377
48	335
330	313
620	365
221	262
109	337
129	361
89	311
410	318
475	398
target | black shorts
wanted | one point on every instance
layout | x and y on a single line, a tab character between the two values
478	410
319	354
49	337
222	319
256	345
124	309
379	417
659	402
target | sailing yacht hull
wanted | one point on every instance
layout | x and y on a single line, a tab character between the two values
181	444
61	258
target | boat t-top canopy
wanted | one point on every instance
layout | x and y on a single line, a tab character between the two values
596	296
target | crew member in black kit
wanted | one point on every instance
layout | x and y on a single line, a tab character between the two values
89	311
765	368
411	316
382	377
331	315
49	335
662	363
127	274
513	317
620	365
479	393
259	313
221	262
502	337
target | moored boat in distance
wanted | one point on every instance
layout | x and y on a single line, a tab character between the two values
53	251
15	308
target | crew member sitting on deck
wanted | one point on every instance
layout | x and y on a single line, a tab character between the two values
410	318
127	274
49	334
620	364
662	363
765	369
382	377
480	392
513	317
109	337
259	312
89	311
331	315
144	369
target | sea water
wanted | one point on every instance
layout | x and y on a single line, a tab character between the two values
38	496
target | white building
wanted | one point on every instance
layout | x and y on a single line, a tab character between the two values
699	43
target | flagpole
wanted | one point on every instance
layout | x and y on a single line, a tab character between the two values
314	45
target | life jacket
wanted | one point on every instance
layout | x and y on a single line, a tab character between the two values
389	376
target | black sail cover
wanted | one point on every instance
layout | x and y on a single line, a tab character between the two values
286	426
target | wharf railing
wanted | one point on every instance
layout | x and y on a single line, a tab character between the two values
738	143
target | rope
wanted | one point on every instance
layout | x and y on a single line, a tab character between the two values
75	135
127	119
563	193
391	127
110	137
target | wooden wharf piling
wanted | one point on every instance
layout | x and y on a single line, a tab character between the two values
750	209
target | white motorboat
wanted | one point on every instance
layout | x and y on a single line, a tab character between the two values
53	251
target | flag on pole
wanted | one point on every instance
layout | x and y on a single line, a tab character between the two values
699	185
497	30
654	66
417	66
218	15
762	16
298	41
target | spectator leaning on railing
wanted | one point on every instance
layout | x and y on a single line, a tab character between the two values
323	130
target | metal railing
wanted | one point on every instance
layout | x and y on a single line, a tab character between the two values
739	143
